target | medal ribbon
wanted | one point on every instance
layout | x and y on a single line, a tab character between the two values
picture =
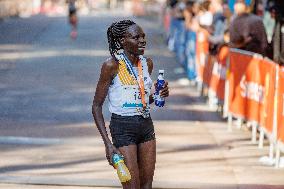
139	79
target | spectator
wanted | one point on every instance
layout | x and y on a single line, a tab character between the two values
269	21
247	31
221	16
191	15
176	23
206	16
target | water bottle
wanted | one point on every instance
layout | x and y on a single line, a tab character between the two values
160	101
122	170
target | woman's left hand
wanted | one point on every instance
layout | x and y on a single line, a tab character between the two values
165	91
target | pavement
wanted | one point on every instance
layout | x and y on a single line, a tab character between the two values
48	138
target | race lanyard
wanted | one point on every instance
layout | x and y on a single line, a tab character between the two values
138	78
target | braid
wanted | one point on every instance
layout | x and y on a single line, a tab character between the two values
115	32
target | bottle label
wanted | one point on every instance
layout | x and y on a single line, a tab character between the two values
159	98
160	101
160	84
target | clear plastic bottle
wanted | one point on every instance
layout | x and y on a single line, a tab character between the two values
160	101
122	171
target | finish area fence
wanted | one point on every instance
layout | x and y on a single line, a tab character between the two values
249	87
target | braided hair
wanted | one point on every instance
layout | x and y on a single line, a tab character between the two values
115	32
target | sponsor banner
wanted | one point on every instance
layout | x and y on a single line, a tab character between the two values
207	73
267	79
246	92
280	103
219	70
202	50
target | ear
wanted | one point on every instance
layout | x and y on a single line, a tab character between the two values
122	40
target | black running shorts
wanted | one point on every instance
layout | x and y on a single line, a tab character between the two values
126	130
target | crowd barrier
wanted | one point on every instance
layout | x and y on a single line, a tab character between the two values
280	103
280	115
219	71
256	95
202	53
249	86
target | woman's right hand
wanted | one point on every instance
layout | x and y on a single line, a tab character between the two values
110	150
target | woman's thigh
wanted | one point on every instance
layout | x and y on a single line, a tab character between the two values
146	163
130	157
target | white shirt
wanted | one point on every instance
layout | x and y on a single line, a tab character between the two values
124	97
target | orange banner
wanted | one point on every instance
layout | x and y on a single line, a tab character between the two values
246	92
202	50
280	126
267	80
207	71
219	70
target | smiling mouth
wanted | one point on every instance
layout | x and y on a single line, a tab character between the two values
141	48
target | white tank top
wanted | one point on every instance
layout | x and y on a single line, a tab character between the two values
124	94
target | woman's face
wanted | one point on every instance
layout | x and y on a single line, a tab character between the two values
134	41
195	8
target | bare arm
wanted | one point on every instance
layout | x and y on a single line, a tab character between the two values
108	71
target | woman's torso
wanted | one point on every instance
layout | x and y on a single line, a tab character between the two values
124	94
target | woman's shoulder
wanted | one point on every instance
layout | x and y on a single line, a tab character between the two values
110	66
110	63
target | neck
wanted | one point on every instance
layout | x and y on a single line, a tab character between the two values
133	59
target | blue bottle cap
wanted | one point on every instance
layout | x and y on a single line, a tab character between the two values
116	158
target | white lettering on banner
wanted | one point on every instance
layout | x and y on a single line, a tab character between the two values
219	70
283	105
251	90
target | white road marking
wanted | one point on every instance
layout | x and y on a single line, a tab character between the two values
29	140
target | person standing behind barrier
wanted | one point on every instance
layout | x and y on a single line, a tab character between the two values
72	17
172	26
247	31
205	16
191	26
269	21
176	23
125	79
221	17
191	16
